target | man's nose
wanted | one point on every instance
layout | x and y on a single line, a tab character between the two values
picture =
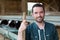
39	14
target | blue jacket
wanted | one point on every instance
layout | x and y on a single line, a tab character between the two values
50	30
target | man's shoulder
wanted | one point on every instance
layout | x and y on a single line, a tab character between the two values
31	25
49	24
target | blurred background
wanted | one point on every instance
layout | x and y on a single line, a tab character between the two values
11	13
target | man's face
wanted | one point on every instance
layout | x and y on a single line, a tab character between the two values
38	14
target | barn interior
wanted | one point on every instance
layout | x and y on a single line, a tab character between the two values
11	15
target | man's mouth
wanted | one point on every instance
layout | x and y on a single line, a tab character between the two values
39	18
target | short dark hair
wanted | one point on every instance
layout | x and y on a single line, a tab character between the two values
38	5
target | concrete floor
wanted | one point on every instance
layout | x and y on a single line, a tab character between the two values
3	38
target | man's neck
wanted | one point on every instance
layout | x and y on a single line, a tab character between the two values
41	25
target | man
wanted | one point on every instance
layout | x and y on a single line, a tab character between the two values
39	30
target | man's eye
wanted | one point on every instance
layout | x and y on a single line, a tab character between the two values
35	12
41	12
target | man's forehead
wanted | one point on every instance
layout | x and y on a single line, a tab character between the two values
37	8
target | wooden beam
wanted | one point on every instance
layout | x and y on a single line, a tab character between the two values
24	10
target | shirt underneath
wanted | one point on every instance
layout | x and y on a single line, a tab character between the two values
41	34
